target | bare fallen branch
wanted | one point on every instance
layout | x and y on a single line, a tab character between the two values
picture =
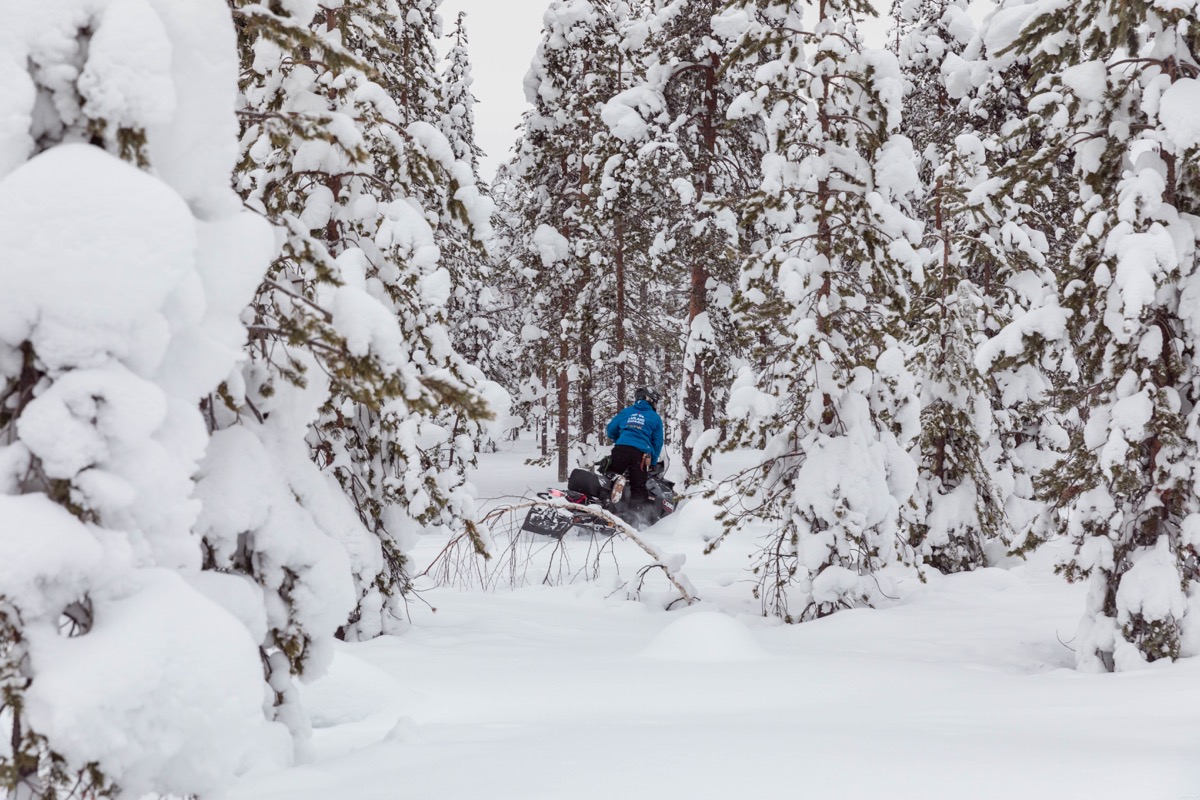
460	562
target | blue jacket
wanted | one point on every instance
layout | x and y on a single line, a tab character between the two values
638	426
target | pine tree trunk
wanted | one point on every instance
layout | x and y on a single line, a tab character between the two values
587	327
824	236
619	266
544	427
619	262
562	435
587	404
698	411
939	459
643	303
334	184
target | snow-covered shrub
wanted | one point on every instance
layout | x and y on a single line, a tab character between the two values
127	261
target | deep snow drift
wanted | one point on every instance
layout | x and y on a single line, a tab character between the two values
961	688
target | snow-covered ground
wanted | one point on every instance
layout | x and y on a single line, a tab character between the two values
963	688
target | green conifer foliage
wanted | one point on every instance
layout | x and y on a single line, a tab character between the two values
958	506
633	212
463	253
129	261
553	243
340	150
1109	78
822	297
698	77
1006	233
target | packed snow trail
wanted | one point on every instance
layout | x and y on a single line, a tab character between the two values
962	689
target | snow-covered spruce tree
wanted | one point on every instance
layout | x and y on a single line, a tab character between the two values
472	300
958	506
1021	232
635	211
831	404
990	83
458	207
927	33
572	75
1120	85
357	295
630	210
456	99
124	669
513	319
652	151
398	39
695	77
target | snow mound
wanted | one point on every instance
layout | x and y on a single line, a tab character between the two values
354	690
706	636
696	520
165	690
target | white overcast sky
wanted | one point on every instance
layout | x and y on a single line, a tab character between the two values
503	36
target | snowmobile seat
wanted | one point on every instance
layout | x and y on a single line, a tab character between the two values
586	481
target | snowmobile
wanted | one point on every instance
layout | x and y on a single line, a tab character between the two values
601	488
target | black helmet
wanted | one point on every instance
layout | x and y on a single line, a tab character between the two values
647	394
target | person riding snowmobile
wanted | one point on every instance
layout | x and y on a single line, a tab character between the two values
637	433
